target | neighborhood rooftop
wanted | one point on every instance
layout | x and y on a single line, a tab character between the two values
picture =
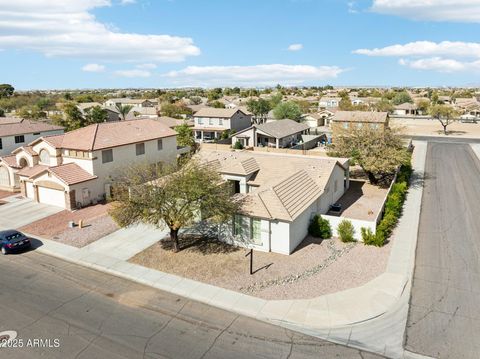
112	134
285	184
17	126
216	112
360	116
282	128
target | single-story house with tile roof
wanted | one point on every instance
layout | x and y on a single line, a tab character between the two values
15	132
280	193
277	133
357	119
211	122
406	109
77	168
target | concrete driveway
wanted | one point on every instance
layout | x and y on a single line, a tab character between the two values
24	211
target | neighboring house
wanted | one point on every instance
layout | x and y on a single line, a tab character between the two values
174	122
142	112
280	194
112	112
77	168
211	122
329	102
318	119
356	101
348	119
406	109
129	102
278	134
16	132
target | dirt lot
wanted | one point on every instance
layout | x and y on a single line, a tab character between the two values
97	224
362	201
422	127
316	268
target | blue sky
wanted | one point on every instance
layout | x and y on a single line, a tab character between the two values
172	43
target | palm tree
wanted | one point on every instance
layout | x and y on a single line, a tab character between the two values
123	110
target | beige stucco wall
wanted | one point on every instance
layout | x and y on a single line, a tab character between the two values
8	142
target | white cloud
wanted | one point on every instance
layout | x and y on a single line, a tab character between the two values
146	66
93	68
441	65
257	75
445	56
295	47
133	73
434	10
127	2
68	28
426	48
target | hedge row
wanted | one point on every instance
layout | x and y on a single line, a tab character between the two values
393	209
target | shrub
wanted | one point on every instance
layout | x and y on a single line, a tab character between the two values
320	227
371	239
346	231
238	146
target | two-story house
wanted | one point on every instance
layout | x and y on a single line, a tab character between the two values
16	132
211	122
77	168
358	119
141	103
329	102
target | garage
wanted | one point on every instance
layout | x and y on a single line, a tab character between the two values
54	197
4	177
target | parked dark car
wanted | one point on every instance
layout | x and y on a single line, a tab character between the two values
337	207
13	241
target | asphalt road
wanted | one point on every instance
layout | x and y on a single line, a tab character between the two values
444	317
88	314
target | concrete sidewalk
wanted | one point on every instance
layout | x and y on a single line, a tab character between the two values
371	317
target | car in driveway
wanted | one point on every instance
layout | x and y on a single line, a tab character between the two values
13	241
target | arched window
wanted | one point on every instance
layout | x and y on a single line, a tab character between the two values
23	162
44	156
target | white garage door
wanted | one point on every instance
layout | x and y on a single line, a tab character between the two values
50	196
29	189
4	177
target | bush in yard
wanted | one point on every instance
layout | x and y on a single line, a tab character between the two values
238	146
370	239
346	231
320	227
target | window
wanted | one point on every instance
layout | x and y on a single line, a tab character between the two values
107	156
1	144
200	121
44	156
220	121
140	149
160	145
256	234
36	133
20	139
345	125
248	228
210	121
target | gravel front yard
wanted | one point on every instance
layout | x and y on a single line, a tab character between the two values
97	224
317	268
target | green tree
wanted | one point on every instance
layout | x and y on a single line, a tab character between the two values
384	106
423	105
123	110
288	109
185	136
377	151
444	114
73	117
96	114
214	94
259	108
216	104
196	100
6	90
401	97
2	112
172	197
275	99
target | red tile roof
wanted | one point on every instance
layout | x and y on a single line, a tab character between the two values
113	134
71	173
11	127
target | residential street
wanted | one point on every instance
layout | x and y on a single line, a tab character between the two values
444	320
94	315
